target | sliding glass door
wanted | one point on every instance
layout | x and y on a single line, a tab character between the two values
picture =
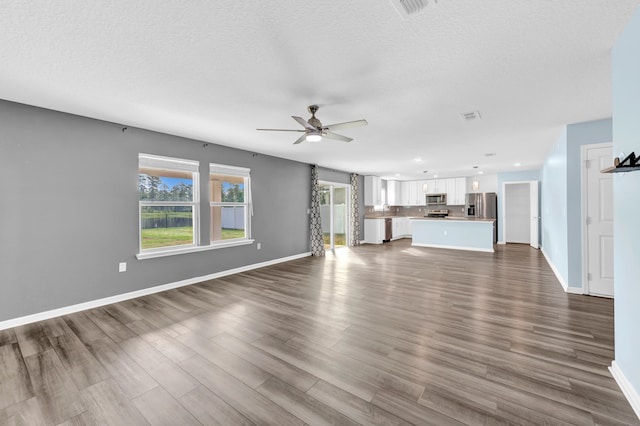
334	214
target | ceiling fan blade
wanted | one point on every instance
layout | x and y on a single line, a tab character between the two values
280	130
300	139
303	122
345	125
336	136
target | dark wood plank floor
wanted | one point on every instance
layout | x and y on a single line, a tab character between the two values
388	334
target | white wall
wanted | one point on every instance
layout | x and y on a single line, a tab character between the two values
487	183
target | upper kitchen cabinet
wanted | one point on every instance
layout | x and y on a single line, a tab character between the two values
436	186
461	190
456	188
405	197
394	193
372	191
414	193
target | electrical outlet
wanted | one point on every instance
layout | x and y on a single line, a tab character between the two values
258	246
122	267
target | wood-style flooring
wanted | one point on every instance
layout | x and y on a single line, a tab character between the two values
386	335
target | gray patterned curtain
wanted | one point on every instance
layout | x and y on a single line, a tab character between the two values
355	215
317	241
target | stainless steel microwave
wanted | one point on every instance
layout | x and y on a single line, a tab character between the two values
433	199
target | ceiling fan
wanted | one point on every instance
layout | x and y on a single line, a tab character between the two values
314	131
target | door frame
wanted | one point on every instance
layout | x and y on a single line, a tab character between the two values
504	209
583	211
348	210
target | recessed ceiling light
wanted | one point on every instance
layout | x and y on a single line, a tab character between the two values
517	164
397	174
435	176
480	172
418	159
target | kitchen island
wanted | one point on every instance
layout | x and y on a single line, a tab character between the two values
453	233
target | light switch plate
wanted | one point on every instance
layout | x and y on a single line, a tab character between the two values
122	267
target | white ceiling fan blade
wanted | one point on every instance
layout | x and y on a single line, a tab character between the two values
300	139
303	122
280	130
346	125
336	136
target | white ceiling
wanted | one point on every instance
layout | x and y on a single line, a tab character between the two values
217	70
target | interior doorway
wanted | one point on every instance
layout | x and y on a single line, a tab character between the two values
597	228
520	213
334	214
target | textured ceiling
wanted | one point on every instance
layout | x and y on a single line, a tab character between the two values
217	70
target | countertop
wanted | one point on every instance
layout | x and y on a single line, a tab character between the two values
448	219
451	219
382	217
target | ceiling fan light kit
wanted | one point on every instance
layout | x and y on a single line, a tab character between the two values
313	137
314	131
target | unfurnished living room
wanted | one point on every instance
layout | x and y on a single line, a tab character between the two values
388	212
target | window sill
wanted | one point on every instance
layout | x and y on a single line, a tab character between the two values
185	250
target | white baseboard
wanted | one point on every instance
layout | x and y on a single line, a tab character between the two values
41	316
627	388
563	283
501	242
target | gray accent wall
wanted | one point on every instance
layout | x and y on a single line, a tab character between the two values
70	210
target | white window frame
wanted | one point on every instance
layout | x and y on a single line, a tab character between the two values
221	169
175	164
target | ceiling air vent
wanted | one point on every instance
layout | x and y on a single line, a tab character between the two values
470	116
406	8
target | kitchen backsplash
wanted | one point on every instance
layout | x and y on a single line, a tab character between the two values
412	211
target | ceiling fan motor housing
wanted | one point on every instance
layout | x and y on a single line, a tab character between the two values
313	120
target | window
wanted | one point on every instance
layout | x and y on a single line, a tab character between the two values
168	189
230	203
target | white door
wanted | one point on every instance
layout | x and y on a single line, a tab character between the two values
535	218
599	221
520	213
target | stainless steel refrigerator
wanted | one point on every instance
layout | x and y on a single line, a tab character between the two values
483	205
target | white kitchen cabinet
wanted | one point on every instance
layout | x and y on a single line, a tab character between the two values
372	191
420	194
437	186
394	193
404	193
431	186
400	227
461	190
413	190
373	231
451	191
440	186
